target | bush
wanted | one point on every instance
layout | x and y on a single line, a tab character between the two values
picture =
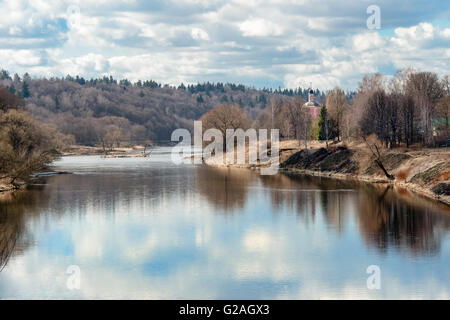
24	146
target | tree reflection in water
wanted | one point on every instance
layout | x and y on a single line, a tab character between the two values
225	188
15	209
387	218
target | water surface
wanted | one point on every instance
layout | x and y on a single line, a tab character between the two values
145	228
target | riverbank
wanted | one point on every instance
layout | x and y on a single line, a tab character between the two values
423	171
79	150
5	186
8	190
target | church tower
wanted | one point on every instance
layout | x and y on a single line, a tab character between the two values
312	106
311	94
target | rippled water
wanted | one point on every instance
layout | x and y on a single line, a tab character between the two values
145	228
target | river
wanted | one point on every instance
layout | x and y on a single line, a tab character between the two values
144	228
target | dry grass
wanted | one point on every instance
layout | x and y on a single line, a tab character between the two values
403	174
444	176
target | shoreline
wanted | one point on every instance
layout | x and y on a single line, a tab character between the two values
424	172
80	150
414	188
7	190
291	161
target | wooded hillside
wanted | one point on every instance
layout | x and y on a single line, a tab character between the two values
96	109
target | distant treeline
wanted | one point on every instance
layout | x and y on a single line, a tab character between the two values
93	109
410	107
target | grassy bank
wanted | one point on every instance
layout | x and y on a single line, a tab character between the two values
425	171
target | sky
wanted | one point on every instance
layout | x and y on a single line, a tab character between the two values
260	43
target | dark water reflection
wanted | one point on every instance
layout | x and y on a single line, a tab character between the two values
144	228
386	217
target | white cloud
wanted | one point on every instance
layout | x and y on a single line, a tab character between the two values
257	240
22	58
258	27
368	41
199	34
272	42
90	63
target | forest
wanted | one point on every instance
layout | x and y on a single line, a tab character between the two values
107	110
408	108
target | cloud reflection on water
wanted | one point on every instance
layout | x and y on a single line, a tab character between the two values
158	231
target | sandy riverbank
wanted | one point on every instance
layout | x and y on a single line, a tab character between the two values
78	150
6	189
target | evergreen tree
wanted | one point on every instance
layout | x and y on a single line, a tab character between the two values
4	75
25	90
57	105
324	129
11	89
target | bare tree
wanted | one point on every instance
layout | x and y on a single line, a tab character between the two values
9	100
24	146
407	116
377	151
443	108
426	90
225	117
294	115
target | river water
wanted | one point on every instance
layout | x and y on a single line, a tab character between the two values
144	228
